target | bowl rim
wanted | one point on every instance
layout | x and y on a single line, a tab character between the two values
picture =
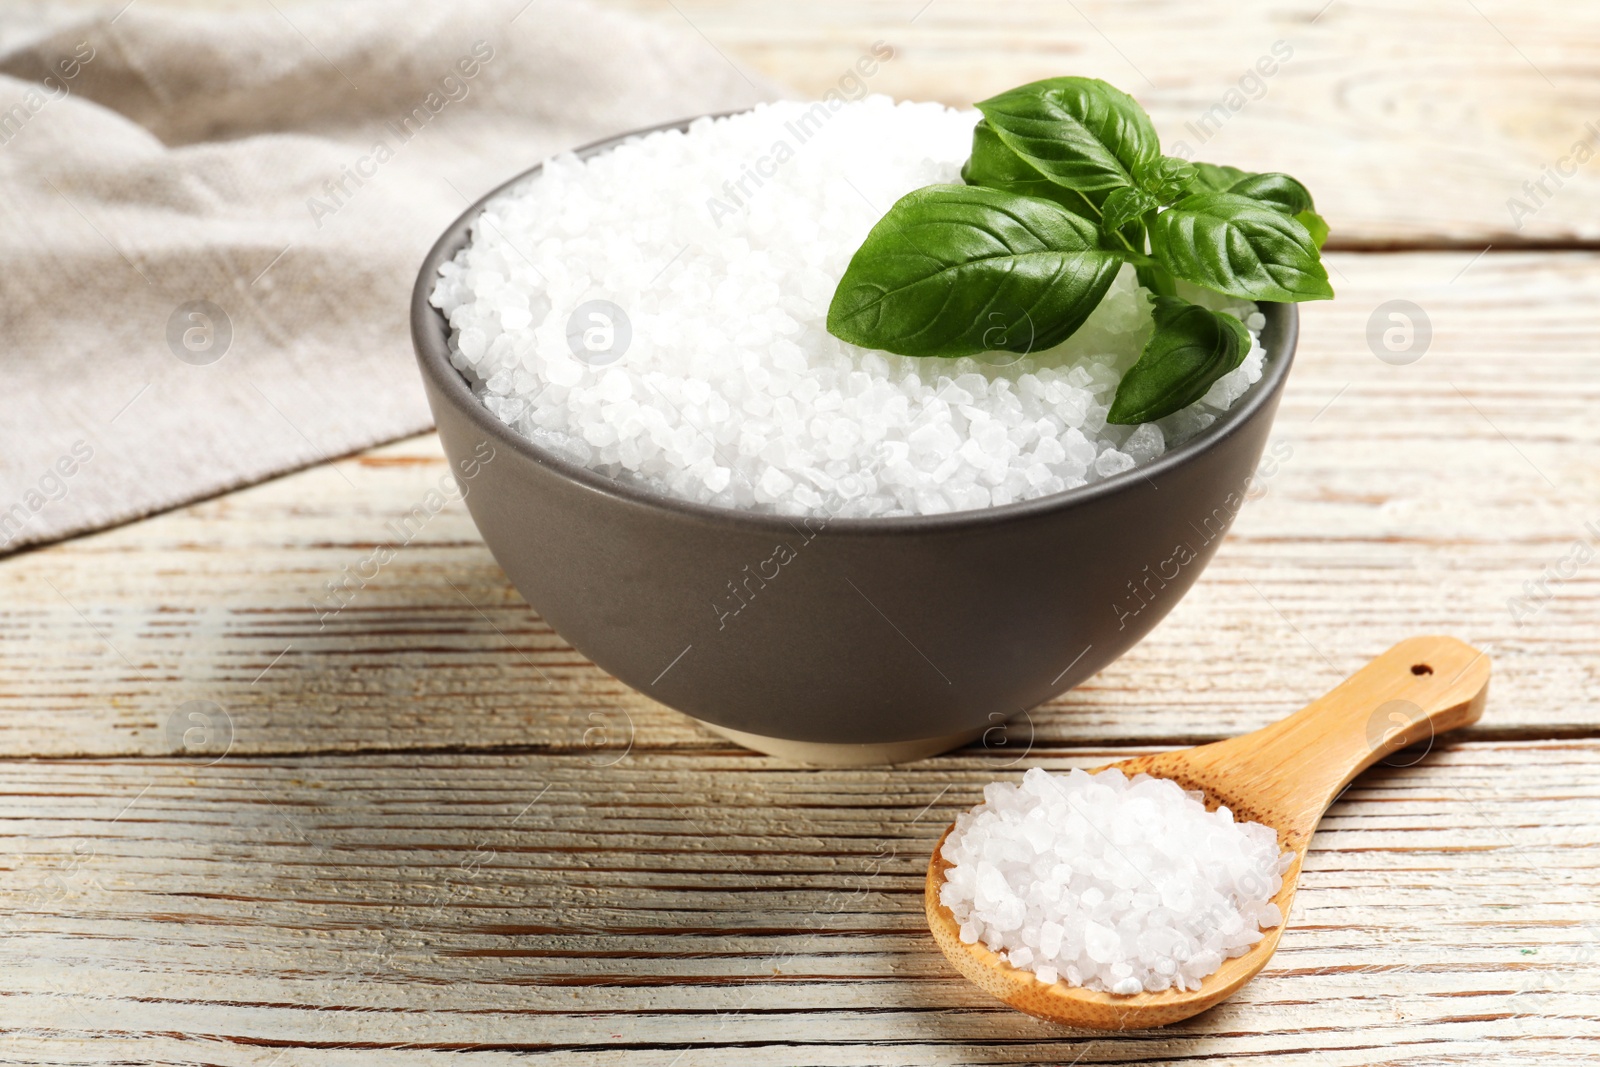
430	335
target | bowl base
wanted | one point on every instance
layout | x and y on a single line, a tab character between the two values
819	754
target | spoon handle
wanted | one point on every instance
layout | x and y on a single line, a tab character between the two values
1418	689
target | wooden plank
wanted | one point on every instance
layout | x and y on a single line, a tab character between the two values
1404	500
693	909
1402	144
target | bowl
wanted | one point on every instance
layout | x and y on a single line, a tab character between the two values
844	641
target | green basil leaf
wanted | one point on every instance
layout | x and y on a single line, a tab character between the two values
1125	205
1078	132
1275	190
1216	178
1235	245
1167	178
995	166
1315	225
954	270
1191	348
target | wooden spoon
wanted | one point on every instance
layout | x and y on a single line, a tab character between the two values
1283	776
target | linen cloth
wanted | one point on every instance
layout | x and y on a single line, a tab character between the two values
211	221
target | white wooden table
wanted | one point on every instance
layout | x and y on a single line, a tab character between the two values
429	832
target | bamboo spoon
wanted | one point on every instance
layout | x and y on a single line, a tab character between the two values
1284	776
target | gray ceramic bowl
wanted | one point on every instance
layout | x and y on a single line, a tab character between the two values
855	640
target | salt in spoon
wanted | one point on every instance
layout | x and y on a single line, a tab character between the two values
1283	776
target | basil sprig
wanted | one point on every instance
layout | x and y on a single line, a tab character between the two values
1067	182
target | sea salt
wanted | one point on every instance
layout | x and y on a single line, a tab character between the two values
1123	885
658	313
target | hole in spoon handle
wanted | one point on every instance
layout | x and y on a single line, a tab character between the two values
1389	710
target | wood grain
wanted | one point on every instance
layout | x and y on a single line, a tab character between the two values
1414	124
1397	500
695	909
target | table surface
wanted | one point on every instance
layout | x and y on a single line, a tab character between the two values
428	831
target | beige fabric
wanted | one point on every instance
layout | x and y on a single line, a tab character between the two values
290	168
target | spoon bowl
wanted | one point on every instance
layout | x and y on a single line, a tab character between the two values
1283	776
